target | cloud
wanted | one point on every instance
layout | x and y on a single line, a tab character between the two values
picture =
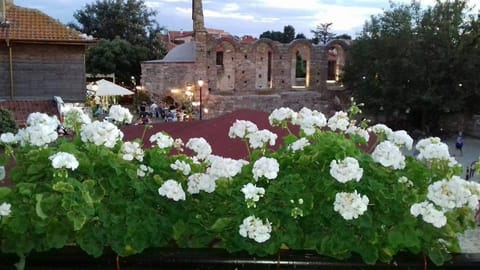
231	7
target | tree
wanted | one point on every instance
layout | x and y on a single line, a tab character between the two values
287	36
129	20
322	33
416	64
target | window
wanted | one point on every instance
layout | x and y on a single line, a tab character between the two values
220	58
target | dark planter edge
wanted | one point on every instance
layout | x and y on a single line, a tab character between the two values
167	258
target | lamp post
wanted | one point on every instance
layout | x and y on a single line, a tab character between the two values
200	84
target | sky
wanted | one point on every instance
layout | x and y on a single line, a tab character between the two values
247	17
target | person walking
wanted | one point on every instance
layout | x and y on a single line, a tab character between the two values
459	142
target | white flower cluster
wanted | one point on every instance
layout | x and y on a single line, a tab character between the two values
221	167
43	119
346	170
299	144
5	209
389	155
339	121
201	182
281	115
120	114
181	166
200	146
309	120
241	128
454	193
265	167
162	140
259	138
101	133
64	160
8	138
172	190
352	129
131	151
75	117
432	149
255	229
350	205
144	170
381	129
401	138
252	192
429	214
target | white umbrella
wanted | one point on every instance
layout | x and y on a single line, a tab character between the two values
107	88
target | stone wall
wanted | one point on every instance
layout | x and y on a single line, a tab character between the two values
43	71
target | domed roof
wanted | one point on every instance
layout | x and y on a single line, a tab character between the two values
181	53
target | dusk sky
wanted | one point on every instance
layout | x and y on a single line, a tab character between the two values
247	17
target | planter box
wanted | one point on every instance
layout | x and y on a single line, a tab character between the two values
74	258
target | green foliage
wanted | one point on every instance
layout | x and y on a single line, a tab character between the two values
7	121
417	64
106	203
287	36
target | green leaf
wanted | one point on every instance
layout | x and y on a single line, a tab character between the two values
38	206
4	192
63	187
179	229
220	224
77	218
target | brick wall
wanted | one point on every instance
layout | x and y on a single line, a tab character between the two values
43	71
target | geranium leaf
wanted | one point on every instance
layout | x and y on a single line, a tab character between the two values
38	206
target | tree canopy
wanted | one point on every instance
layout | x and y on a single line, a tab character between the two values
128	20
417	64
287	36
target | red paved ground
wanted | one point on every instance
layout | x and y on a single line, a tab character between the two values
215	131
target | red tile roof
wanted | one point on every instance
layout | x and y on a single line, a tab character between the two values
31	25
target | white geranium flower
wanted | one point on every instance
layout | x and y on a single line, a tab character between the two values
131	151
120	114
200	146
8	138
406	181
350	205
144	170
201	182
172	190
309	120
429	214
389	155
43	119
221	167
162	140
265	167
241	128
252	192
75	117
259	138
5	209
339	121
450	194
299	144
346	170
181	166
278	116
255	229
352	129
38	135
401	138
381	129
101	133
64	160
432	149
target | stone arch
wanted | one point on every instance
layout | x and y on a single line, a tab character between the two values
225	52
300	50
264	52
336	54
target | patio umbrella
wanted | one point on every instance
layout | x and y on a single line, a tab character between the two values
107	88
